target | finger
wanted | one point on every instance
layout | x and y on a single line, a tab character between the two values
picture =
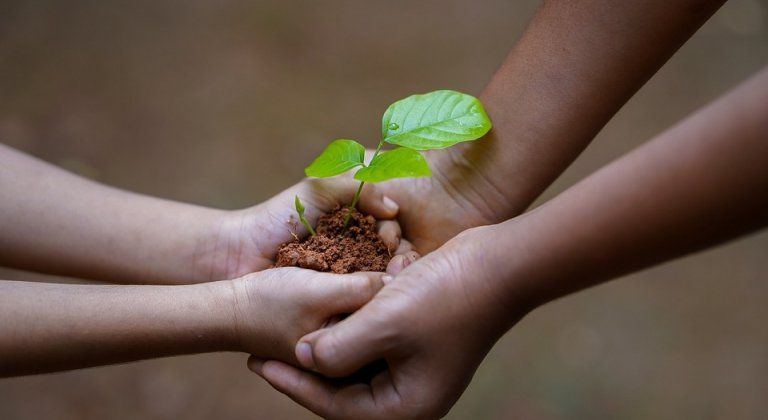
322	397
374	202
390	233
346	293
305	388
339	351
333	321
405	246
398	263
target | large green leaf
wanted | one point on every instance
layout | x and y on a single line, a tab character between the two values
435	120
340	156
397	163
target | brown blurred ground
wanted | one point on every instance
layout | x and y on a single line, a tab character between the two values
223	103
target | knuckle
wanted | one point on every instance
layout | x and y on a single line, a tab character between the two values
326	352
363	287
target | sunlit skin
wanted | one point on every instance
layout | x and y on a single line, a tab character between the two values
700	183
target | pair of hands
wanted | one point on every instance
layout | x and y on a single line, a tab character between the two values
433	325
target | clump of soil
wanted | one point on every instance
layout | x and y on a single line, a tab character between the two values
339	250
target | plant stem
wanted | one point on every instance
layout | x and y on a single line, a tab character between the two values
359	189
354	203
306	224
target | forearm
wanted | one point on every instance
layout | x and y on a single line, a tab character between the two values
574	67
700	183
53	327
56	222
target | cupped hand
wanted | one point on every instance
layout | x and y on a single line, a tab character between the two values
246	241
432	325
273	309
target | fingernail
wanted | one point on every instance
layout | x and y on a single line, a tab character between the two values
396	265
255	365
304	355
390	204
386	278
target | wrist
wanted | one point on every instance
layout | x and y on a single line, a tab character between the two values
531	271
219	309
461	171
217	252
495	283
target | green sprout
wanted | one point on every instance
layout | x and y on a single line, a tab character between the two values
434	120
304	221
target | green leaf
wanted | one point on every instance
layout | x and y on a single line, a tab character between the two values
300	209
397	163
299	206
340	156
434	120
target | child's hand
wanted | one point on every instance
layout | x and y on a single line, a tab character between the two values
246	241
273	308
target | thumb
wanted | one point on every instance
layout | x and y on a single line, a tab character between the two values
344	348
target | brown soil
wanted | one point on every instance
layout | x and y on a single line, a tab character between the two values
356	248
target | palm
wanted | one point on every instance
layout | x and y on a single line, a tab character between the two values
247	240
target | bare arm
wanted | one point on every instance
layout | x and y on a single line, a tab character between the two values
700	183
574	67
53	327
57	222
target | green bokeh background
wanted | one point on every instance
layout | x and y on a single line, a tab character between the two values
224	103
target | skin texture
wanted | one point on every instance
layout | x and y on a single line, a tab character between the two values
700	183
574	67
56	222
53	327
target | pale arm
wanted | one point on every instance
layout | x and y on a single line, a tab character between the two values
51	327
57	222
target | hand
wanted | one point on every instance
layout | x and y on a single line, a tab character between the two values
433	325
273	309
457	197
246	241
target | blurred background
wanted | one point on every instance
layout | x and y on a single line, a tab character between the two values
223	104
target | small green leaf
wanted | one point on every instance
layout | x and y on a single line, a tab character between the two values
299	206
340	156
300	209
397	163
434	120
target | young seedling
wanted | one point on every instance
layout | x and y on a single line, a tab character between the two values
434	120
302	219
